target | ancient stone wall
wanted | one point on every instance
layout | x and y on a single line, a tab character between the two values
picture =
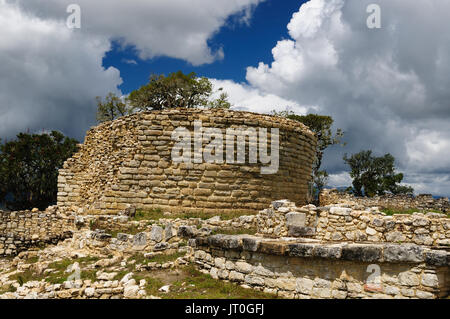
304	270
23	229
341	222
401	202
128	161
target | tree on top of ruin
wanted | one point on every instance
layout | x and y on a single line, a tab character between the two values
110	109
176	90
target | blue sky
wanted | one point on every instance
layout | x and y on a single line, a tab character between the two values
243	44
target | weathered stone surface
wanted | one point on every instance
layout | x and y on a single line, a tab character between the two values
365	253
408	278
156	233
329	252
301	250
273	248
142	157
250	243
140	239
437	258
296	219
186	231
299	231
244	267
279	203
403	253
304	285
430	280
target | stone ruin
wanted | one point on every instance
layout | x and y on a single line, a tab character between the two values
399	202
345	248
128	161
337	251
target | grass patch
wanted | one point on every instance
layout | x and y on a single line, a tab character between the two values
189	283
410	211
157	214
197	285
26	276
7	288
163	258
153	214
58	276
32	260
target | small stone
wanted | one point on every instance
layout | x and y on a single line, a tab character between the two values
371	231
408	278
130	291
89	292
156	233
165	288
430	280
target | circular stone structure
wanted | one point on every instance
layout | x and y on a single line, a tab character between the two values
130	161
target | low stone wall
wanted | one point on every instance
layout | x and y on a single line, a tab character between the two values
341	223
23	229
295	269
420	202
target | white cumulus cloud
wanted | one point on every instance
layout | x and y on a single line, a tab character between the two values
176	28
386	88
50	75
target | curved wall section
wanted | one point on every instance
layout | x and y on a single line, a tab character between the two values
144	160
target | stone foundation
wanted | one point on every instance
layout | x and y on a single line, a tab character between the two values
304	270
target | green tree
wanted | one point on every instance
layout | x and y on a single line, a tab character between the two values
375	175
320	125
29	169
176	90
110	109
222	102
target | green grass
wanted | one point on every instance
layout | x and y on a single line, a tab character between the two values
157	214
7	288
163	258
189	283
154	214
390	211
58	276
32	260
202	286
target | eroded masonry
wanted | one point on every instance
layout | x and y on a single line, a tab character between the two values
129	161
273	241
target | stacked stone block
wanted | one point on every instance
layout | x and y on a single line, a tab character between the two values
128	161
399	202
305	270
23	229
